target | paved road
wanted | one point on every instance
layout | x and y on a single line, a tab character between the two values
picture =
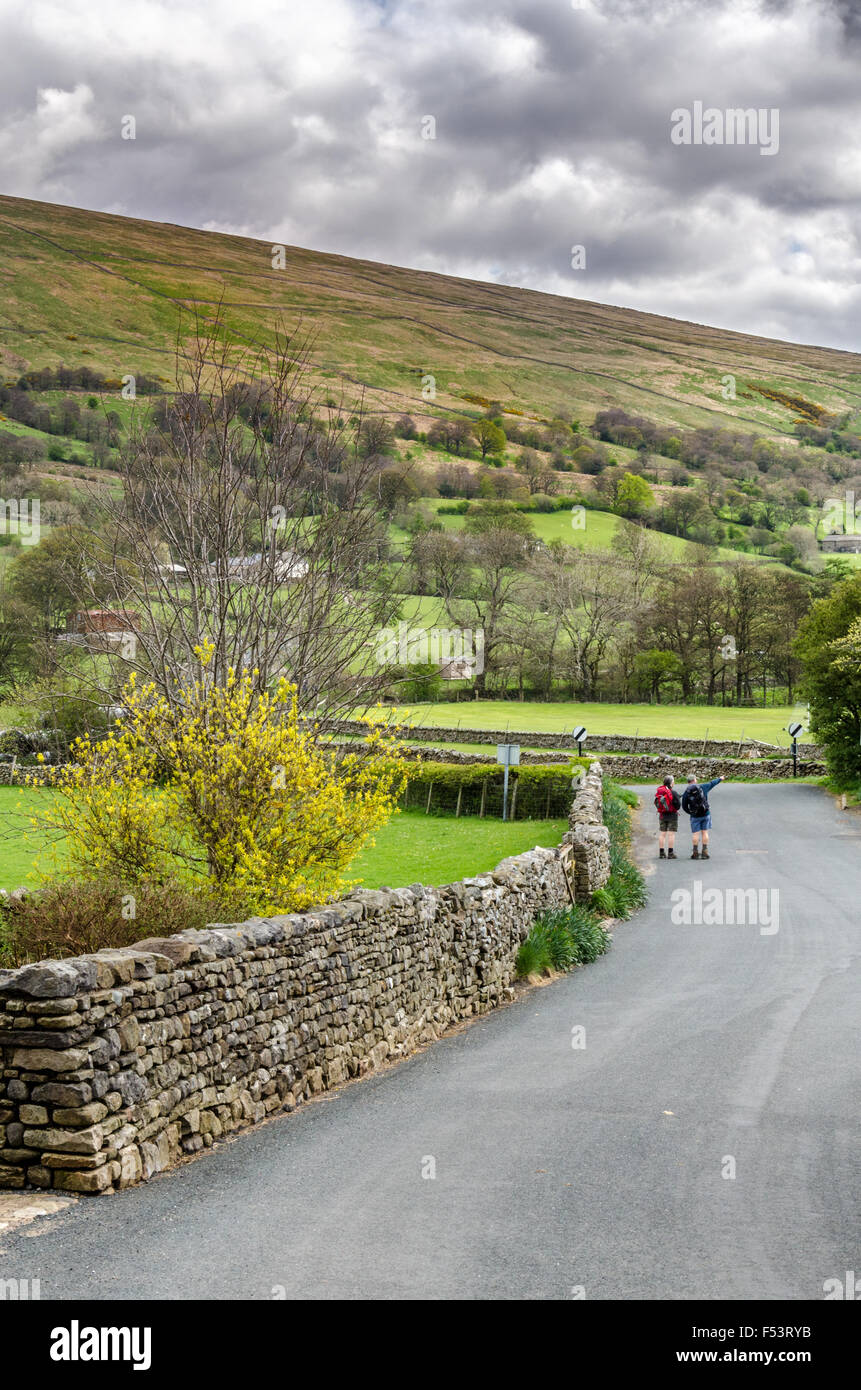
557	1167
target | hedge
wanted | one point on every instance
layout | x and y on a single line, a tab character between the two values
475	789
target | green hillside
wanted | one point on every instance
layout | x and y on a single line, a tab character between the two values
90	288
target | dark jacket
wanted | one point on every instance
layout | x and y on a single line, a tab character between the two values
705	788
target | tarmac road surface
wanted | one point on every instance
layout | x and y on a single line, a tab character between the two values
503	1162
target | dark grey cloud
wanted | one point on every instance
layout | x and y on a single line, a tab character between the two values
303	123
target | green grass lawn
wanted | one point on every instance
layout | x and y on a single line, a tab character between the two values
20	845
668	721
412	848
415	848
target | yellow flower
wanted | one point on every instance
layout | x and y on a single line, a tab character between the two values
226	789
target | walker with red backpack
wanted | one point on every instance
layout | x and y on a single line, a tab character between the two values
667	806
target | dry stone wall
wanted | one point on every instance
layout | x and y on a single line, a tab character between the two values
599	743
116	1065
588	836
454	755
736	769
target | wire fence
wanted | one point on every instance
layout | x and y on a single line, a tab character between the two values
529	797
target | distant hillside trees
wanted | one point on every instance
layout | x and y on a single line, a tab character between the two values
567	622
64	378
451	433
16	451
634	497
701	447
489	437
375	436
64	417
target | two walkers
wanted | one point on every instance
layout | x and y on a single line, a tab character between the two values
695	803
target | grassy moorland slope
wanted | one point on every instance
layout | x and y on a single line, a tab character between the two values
87	287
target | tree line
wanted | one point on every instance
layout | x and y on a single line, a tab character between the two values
625	624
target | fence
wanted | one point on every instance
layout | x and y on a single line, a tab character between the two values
534	793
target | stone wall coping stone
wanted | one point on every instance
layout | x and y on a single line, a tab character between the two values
68	978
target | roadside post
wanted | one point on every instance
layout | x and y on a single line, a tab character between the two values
509	755
794	730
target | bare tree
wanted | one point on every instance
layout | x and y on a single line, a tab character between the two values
494	557
440	564
644	555
589	594
247	523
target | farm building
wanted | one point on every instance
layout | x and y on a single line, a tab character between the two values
838	544
106	622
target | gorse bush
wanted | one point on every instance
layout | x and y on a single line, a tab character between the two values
222	791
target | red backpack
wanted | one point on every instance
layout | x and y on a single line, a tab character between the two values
664	801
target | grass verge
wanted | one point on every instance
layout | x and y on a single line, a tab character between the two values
565	937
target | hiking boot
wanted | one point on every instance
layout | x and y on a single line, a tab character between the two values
671	854
696	854
661	854
705	854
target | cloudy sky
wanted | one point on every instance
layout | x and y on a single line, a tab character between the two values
306	122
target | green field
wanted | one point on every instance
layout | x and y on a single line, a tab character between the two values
412	848
666	721
597	532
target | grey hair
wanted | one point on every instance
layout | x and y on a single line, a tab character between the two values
691	777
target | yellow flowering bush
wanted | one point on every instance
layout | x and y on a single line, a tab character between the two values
223	790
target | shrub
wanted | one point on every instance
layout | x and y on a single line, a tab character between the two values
533	958
625	890
551	928
453	508
618	802
628	883
441	787
224	791
542	502
565	937
589	936
71	919
423	683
